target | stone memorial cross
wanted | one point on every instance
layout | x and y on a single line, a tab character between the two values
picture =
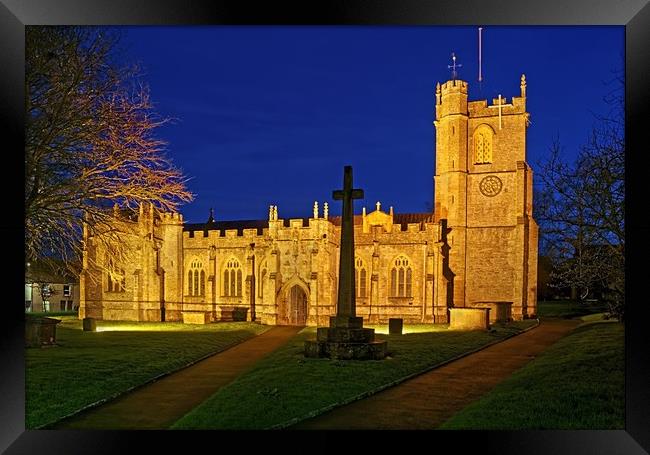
346	299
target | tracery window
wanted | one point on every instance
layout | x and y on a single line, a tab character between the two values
483	142
116	278
360	277
401	278
196	279
232	278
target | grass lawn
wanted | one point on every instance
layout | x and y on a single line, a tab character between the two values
90	366
577	383
286	386
568	309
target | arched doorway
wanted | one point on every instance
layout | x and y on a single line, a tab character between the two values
295	308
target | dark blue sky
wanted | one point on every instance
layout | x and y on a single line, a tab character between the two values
270	115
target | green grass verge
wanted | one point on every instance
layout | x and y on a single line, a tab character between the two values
568	309
90	366
285	385
577	383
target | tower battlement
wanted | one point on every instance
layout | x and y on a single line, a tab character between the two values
454	86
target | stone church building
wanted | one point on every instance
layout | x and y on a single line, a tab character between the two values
477	248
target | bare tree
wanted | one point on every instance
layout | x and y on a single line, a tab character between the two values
581	211
90	142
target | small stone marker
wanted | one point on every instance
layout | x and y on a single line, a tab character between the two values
90	324
395	326
40	331
346	338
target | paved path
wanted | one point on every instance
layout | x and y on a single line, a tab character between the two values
161	403
428	400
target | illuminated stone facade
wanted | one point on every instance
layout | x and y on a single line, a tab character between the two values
479	247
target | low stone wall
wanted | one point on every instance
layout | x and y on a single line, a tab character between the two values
232	313
469	318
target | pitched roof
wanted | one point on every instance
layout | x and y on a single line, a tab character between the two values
407	218
336	220
50	271
398	218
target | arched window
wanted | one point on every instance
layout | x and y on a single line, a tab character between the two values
196	279
239	279
360	277
483	142
401	278
260	285
232	278
202	286
115	277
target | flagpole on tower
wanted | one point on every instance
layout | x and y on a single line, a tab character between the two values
480	51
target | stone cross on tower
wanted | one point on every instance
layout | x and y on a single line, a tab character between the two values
346	301
500	105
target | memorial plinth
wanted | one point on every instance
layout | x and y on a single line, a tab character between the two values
346	338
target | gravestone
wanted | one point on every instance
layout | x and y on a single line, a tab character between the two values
469	318
40	331
499	311
346	338
89	324
395	326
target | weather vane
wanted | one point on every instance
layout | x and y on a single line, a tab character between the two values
453	66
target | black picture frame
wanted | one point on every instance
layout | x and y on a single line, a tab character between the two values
633	14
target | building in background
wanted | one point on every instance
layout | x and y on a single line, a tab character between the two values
477	248
47	290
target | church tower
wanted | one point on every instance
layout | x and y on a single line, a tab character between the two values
483	188
450	197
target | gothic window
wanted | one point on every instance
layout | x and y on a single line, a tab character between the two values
409	282
401	278
483	142
116	278
360	277
232	278
196	279
239	279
